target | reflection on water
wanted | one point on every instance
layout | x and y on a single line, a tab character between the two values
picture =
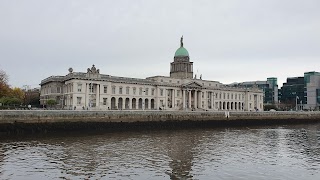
270	152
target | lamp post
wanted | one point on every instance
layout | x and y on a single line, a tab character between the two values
297	97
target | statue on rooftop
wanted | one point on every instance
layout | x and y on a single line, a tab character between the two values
93	70
181	41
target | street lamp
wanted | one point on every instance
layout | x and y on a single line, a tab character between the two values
297	97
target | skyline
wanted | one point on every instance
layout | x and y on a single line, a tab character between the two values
227	41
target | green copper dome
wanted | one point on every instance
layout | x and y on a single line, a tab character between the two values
181	52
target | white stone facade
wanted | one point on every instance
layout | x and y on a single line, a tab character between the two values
102	92
179	92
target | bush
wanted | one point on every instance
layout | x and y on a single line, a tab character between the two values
267	107
10	101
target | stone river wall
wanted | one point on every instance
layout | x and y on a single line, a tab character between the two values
47	120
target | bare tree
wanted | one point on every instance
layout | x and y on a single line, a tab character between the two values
4	88
3	77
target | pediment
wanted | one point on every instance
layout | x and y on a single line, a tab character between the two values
192	85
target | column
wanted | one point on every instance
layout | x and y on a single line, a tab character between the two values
212	103
200	97
116	103
195	99
98	96
165	99
156	99
183	98
173	98
189	103
123	103
137	103
130	103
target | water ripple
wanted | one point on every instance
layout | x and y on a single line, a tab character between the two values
273	152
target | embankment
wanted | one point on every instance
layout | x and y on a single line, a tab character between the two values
15	121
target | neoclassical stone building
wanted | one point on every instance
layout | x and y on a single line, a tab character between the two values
178	92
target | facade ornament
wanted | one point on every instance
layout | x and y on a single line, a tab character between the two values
70	70
93	70
255	86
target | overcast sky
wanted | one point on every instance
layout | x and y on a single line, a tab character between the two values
228	40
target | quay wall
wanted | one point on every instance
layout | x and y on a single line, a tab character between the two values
37	120
41	116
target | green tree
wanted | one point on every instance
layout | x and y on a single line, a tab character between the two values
17	93
51	102
10	101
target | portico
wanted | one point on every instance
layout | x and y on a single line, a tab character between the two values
192	95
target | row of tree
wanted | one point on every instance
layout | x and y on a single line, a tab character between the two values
10	96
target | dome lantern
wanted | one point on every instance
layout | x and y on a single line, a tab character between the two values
181	52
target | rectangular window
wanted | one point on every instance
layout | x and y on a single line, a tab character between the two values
79	87
134	91
147	91
78	100
161	92
178	102
127	90
152	92
113	90
140	91
202	94
105	101
105	89
178	93
91	88
235	96
120	90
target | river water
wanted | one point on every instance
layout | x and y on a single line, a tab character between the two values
264	152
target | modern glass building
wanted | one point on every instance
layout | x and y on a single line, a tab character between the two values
312	90
291	91
303	91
